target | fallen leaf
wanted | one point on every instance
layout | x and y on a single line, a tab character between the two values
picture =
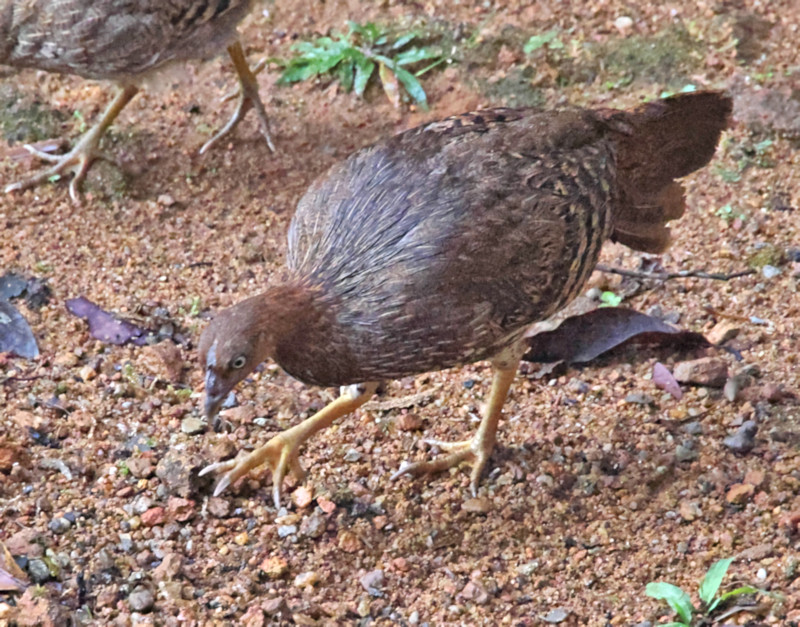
34	290
583	337
16	336
105	327
12	578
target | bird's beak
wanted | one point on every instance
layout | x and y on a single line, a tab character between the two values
216	392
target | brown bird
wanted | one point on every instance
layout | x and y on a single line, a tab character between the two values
123	41
442	245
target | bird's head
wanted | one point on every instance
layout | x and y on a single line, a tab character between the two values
230	348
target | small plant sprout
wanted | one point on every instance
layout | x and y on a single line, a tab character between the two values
681	603
610	299
548	40
354	57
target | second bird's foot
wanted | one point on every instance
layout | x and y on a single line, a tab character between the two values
475	451
77	162
280	454
249	98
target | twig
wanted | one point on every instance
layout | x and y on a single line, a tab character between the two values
683	274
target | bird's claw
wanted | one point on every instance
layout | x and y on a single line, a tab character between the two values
77	162
473	451
280	454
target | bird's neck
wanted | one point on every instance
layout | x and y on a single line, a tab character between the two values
282	311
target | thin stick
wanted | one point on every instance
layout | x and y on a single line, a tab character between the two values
683	274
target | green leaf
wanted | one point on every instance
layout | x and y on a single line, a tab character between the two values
364	69
430	66
413	86
713	580
345	74
415	55
676	598
369	31
539	41
610	299
297	73
730	594
402	41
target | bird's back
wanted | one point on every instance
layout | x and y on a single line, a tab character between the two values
113	39
439	245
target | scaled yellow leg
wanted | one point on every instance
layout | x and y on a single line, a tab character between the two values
248	99
477	449
281	451
82	154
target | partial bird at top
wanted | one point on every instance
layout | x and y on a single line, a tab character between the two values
123	41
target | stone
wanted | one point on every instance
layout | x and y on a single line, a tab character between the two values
708	371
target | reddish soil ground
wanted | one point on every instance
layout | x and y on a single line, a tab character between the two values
591	493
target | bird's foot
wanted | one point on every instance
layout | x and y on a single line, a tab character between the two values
77	161
248	99
280	454
82	154
475	451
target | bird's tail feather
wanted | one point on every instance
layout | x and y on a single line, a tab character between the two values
660	142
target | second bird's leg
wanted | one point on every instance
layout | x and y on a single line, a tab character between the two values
82	154
281	451
477	449
248	99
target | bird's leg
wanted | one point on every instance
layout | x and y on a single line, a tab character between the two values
281	451
248	99
477	449
82	154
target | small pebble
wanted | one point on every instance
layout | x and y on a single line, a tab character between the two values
302	497
685	454
192	426
693	428
409	422
286	530
313	526
479	505
743	441
372	581
770	272
59	525
38	570
141	599
623	23
306	579
739	493
274	567
153	516
141	504
640	398
125	542
557	615
709	371
352	455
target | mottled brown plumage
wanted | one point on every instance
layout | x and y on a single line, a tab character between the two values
123	41
442	245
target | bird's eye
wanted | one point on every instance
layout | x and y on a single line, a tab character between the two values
238	362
